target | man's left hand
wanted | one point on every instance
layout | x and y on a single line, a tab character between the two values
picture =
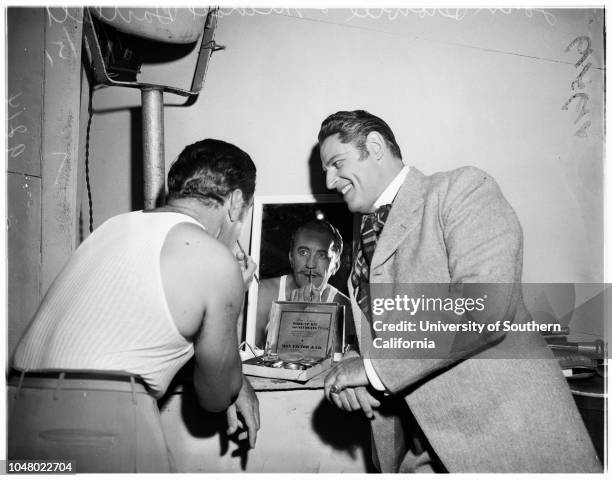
350	372
247	405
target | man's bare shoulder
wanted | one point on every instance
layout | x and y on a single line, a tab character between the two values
269	285
191	245
198	272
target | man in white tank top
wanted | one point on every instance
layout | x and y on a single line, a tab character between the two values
141	296
314	255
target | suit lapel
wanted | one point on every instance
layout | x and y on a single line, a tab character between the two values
362	326
405	214
403	217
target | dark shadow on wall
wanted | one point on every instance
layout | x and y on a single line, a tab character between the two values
345	431
315	171
201	423
136	168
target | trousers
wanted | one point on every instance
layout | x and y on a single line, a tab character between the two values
102	426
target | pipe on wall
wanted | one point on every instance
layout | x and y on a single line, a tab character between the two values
153	147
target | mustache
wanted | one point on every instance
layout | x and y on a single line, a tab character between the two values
307	273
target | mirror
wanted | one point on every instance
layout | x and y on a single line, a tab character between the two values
275	219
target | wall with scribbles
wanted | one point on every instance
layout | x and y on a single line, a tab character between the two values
516	92
42	106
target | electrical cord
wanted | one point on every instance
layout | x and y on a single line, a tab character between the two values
89	197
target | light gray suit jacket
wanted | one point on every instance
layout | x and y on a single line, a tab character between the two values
480	414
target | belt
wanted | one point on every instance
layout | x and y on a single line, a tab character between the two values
61	380
83	375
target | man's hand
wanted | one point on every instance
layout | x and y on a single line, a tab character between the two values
247	267
350	372
247	405
306	294
356	398
353	399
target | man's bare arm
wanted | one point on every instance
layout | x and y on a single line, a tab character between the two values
205	290
218	371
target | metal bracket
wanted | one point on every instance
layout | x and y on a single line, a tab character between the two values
207	47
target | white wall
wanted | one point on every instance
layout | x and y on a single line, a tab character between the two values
484	88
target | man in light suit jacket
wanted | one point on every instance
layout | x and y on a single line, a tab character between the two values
468	412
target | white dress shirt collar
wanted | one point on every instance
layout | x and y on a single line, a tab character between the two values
392	189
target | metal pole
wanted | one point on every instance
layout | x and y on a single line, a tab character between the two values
153	147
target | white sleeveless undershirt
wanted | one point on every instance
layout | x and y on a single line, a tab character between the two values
107	309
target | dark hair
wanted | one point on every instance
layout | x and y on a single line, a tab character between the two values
210	170
324	227
355	126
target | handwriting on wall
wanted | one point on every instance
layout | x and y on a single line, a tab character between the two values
164	16
582	45
167	16
63	49
16	131
450	13
394	13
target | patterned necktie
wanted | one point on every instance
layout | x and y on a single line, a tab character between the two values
371	227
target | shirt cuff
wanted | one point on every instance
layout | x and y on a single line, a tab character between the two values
372	376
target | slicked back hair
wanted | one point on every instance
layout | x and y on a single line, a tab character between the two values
354	127
210	170
325	227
